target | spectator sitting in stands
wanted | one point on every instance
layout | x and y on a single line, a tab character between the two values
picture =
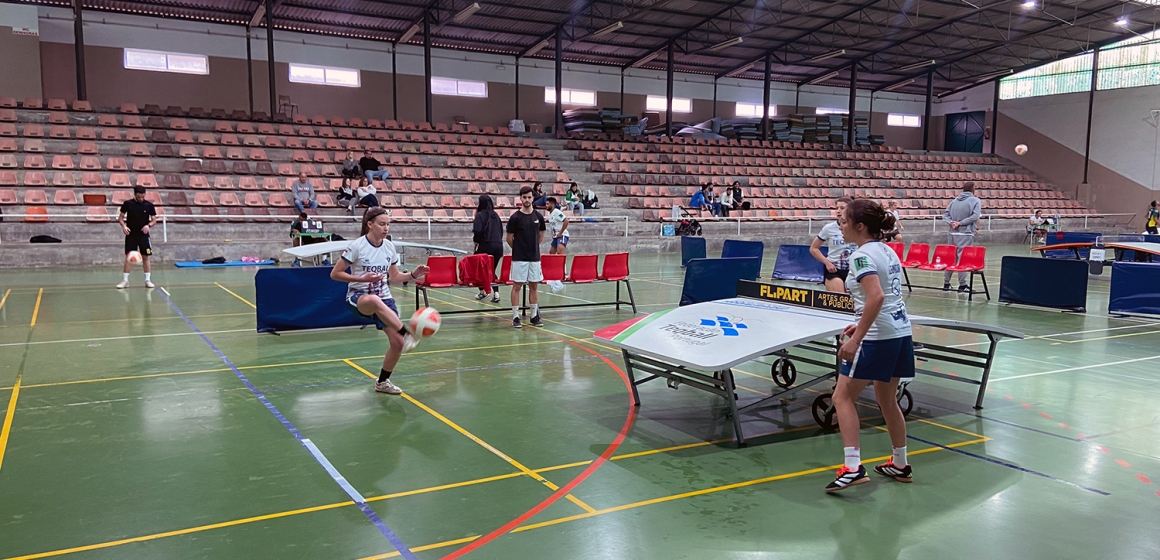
346	197
738	197
698	201
303	193
1037	223
574	200
370	167
366	193
726	202
713	200
350	169
541	199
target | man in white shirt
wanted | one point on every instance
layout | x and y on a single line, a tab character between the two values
558	225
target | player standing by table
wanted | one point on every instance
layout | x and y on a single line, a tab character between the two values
136	217
837	259
878	347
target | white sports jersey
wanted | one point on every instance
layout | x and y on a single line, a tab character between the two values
556	221
876	258
840	251
365	257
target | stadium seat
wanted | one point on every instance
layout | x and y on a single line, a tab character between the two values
944	257
553	267
35	196
64	196
583	269
97	214
8	196
897	248
442	275
36	214
919	255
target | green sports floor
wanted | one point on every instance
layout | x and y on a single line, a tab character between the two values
126	435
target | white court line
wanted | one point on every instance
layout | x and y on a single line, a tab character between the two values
1074	369
549	293
1059	334
120	337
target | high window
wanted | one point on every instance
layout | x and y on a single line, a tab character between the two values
322	75
157	61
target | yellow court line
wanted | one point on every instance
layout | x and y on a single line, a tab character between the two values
134	319
244	300
1104	337
8	419
36	310
482	443
5	298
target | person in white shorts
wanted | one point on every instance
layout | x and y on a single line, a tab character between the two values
525	232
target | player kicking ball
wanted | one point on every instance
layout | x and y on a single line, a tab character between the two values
878	348
137	215
374	263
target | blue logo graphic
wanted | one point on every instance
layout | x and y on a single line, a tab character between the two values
729	326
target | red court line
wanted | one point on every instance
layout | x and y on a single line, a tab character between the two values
1045	415
1065	426
1144	479
1025	405
1123	463
564	490
1104	449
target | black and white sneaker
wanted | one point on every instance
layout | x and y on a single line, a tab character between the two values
903	474
847	478
946	287
536	322
481	296
964	288
516	323
495	298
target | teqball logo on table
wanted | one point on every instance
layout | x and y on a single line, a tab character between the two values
728	325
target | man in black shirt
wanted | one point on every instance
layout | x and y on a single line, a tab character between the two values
136	217
525	232
370	167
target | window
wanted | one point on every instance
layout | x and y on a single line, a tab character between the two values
752	110
1131	63
166	62
895	119
829	111
461	88
304	74
680	105
571	97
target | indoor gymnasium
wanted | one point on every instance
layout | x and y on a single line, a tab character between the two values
541	279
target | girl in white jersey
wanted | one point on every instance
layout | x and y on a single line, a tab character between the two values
373	262
837	260
878	347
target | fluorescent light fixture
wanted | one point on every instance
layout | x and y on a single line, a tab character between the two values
980	80
645	60
410	33
827	56
1122	22
1029	4
898	85
258	15
824	78
539	47
740	71
466	13
986	77
726	44
610	29
916	65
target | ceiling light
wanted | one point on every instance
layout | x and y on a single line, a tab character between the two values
611	28
898	85
827	56
466	13
410	33
539	47
821	79
981	79
645	60
1029	4
739	71
915	66
725	44
1122	22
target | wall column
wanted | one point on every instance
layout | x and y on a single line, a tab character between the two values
270	57
79	44
926	119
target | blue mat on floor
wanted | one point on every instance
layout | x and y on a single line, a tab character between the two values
230	263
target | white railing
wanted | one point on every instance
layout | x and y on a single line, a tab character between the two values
935	219
165	219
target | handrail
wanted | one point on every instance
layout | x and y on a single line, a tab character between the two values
936	219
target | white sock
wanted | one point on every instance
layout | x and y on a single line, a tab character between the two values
147	276
853	457
535	310
899	457
515	311
126	276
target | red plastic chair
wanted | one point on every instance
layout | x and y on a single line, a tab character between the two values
583	269
973	260
615	267
944	257
442	274
897	247
505	270
918	256
553	267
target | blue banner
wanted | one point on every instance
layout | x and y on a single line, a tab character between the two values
302	298
794	262
1135	288
1054	283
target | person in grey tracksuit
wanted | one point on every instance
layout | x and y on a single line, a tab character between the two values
963	216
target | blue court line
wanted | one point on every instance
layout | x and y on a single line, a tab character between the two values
1009	465
309	445
362	379
1004	422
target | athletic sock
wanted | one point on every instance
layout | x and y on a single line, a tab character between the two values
535	310
126	275
899	457
403	331
384	375
853	457
147	276
515	312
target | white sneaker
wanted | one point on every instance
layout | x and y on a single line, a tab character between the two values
409	342
124	284
387	387
149	284
495	298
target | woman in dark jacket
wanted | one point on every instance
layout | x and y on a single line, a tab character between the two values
487	233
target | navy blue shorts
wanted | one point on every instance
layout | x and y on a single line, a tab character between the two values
352	301
882	360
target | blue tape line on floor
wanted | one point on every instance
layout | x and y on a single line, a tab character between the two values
306	443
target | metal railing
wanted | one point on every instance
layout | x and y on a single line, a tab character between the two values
935	219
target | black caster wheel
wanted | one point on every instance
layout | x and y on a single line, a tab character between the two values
823	410
784	373
906	402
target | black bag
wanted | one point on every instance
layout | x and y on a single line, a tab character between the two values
43	239
215	260
689	228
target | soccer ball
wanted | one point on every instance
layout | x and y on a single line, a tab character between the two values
425	322
134	257
1021	149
